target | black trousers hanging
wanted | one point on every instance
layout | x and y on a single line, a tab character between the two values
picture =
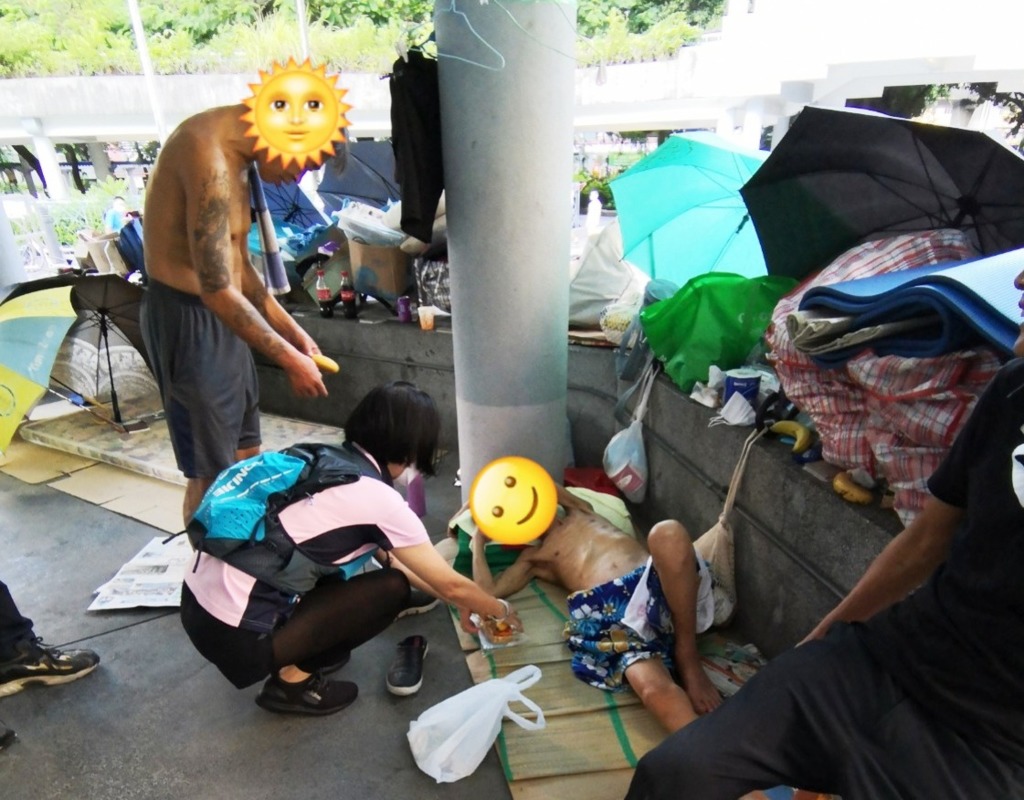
416	140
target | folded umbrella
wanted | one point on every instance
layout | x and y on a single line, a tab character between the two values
681	212
842	176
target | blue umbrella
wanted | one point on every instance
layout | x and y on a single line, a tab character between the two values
368	177
289	205
681	212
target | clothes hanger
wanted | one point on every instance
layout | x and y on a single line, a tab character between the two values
469	26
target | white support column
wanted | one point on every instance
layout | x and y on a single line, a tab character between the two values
507	87
100	162
753	122
27	173
49	161
779	129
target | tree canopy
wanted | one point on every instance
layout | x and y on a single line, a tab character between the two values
198	36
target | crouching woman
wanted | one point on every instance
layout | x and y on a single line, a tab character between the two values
252	628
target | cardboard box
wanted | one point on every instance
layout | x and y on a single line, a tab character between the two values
104	254
381	272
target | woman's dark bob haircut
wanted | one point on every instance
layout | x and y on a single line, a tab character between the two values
396	424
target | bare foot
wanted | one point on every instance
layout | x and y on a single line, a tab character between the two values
699	688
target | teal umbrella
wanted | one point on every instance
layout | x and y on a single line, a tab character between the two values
681	213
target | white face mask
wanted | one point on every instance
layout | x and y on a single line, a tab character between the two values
736	411
403	480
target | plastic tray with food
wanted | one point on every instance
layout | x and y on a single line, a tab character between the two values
496	633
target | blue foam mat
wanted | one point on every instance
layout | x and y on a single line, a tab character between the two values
974	301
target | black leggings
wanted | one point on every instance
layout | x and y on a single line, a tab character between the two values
330	620
337	616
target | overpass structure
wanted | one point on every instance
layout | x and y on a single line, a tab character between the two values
769	60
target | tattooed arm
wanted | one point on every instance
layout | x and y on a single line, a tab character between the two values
213	195
272	311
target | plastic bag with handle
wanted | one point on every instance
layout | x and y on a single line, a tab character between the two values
450	739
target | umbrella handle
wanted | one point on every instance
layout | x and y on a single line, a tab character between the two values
275	276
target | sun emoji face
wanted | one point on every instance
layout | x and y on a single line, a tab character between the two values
296	113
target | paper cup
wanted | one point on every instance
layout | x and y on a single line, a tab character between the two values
426	315
742	381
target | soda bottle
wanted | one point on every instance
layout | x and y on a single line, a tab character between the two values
323	295
348	296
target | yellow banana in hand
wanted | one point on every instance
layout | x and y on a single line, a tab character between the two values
802	436
326	364
851	491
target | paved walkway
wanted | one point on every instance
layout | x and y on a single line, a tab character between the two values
156	721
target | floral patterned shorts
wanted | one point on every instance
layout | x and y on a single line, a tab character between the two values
602	646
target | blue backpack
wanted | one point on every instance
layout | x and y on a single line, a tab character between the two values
238	518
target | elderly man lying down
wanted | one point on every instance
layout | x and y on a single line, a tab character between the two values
634	611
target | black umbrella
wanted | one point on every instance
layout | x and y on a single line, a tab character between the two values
108	311
368	177
842	176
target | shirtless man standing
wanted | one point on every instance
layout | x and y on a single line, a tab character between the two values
206	306
603	568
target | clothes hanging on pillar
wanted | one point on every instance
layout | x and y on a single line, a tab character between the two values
416	139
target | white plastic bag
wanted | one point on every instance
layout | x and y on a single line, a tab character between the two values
450	739
625	460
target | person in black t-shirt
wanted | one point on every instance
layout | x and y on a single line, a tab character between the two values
903	690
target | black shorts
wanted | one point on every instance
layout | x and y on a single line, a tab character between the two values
243	657
207	381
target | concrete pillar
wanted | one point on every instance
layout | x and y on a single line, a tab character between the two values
753	117
507	87
49	162
779	129
12	269
725	125
27	173
100	161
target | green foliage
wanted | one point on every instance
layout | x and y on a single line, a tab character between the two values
198	21
224	36
592	16
906	102
589	181
617	45
1012	104
346	13
86	212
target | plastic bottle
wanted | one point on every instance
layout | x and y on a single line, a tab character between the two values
348	296
323	295
594	212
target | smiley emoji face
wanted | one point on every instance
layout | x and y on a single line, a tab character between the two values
296	113
513	500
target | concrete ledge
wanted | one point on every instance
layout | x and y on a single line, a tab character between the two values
799	547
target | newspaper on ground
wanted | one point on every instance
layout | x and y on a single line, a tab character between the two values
151	579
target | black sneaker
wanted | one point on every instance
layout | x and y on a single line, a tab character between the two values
405	676
39	663
316	695
419	603
332	668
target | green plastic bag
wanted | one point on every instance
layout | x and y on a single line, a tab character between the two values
715	319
